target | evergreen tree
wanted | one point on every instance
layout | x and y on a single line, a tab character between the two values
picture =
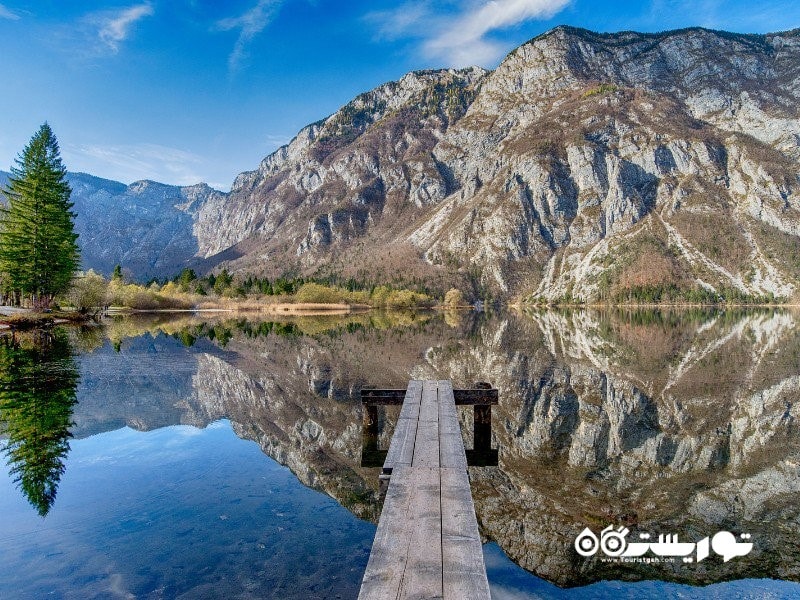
38	245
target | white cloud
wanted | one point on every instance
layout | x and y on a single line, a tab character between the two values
132	162
461	38
114	27
6	13
250	24
406	20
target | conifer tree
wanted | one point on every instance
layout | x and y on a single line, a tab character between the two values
38	245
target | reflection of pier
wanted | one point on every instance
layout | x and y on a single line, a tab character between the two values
427	543
481	399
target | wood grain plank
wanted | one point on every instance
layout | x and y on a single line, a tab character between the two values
451	443
374	397
401	448
463	569
475	397
426	446
423	575
387	561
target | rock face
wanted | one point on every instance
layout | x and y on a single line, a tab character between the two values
659	422
586	166
146	227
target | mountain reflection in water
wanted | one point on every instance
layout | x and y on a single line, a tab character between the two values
666	422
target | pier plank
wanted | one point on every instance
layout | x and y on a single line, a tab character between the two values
451	443
401	448
423	575
427	544
463	569
371	397
426	447
389	556
476	397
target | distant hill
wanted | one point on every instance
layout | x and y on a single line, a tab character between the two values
146	227
586	166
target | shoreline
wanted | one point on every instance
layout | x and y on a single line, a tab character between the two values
281	308
16	318
682	305
21	320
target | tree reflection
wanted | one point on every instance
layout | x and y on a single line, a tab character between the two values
38	382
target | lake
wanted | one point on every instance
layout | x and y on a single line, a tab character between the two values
166	457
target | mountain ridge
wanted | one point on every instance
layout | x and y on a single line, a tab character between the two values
145	226
560	70
585	167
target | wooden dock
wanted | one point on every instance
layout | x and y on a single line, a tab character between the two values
427	544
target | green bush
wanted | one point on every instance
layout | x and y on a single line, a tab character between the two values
87	292
454	298
315	293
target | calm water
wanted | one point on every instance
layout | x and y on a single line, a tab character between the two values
181	458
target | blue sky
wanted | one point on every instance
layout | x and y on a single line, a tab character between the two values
182	91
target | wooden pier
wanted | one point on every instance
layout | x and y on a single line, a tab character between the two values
427	544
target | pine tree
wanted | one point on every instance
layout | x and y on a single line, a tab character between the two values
38	245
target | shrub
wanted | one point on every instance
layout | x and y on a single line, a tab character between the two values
140	298
407	299
318	294
87	291
380	295
454	298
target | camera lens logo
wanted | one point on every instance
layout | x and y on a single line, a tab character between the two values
613	542
586	544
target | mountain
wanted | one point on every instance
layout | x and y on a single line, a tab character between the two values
147	227
586	166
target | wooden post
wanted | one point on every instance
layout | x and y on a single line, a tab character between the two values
369	428
371	454
482	422
482	428
482	454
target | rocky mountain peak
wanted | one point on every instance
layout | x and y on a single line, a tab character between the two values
431	87
587	166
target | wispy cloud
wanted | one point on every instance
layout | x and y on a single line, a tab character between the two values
461	37
407	20
249	24
6	13
133	162
114	27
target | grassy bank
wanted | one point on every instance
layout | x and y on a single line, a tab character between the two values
92	291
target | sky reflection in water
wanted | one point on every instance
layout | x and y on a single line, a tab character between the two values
184	512
179	511
193	512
